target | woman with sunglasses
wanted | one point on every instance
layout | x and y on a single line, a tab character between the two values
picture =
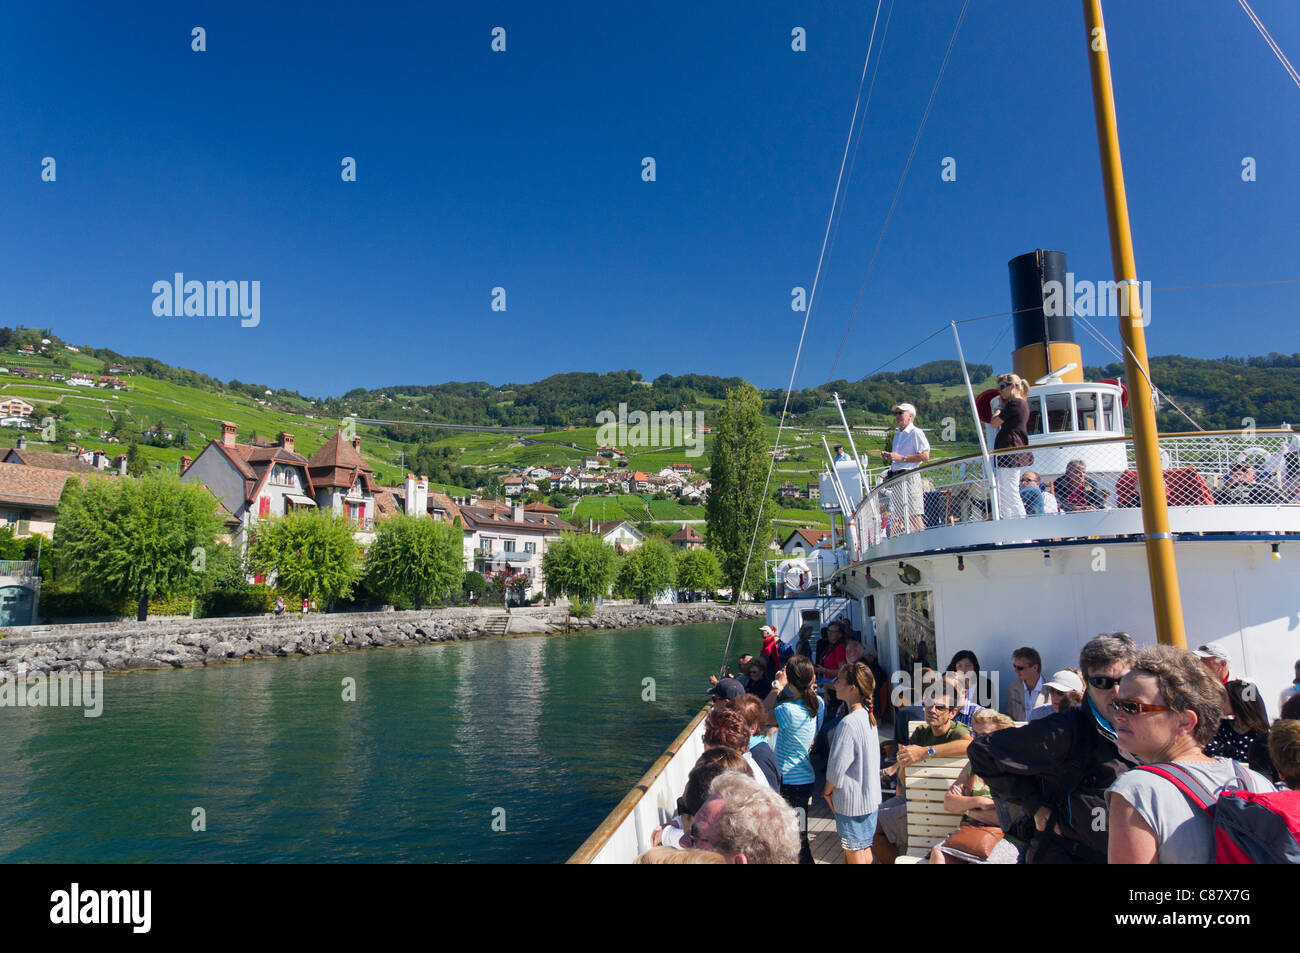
1057	769
1011	418
1168	708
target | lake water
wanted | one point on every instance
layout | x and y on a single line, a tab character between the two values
443	746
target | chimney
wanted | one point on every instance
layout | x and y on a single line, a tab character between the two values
227	433
356	444
121	464
422	496
22	441
286	441
185	464
97	461
517	513
409	486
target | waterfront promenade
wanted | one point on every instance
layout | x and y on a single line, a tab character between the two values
188	643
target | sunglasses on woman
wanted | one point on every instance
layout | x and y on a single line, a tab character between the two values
1136	708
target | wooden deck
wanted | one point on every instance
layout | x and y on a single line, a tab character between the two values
823	840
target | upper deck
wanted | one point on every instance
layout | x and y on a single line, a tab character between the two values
1221	482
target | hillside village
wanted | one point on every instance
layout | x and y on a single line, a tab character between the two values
75	411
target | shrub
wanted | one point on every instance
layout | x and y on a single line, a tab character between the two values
581	610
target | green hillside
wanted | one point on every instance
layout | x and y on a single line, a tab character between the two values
170	412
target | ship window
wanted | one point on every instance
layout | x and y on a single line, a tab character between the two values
1058	413
1113	420
1086	416
914	624
1035	424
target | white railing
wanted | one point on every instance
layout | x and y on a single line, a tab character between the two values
625	833
1229	468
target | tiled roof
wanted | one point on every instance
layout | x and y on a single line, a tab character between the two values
687	534
444	502
604	527
32	486
50	461
386	502
338	463
482	517
811	537
253	463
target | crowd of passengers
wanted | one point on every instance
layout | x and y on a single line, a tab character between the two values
1022	492
1080	769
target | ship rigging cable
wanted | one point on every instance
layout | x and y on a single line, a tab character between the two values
812	298
898	189
1277	50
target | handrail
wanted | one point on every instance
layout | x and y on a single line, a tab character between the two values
1126	437
1200	467
592	845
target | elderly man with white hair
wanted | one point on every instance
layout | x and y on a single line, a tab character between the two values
747	822
910	449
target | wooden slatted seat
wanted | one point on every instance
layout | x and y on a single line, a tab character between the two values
928	823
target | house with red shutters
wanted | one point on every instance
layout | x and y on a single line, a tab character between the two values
255	480
344	483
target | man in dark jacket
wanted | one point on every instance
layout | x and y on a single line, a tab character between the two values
1057	769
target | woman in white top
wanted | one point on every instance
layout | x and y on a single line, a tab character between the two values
1169	707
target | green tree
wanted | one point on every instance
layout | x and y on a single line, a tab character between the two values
134	538
579	565
648	570
312	555
137	462
698	570
739	524
473	582
416	560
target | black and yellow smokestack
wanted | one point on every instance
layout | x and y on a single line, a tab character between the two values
1044	342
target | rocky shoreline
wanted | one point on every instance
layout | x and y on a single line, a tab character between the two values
190	643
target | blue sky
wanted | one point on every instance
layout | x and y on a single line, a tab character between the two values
522	170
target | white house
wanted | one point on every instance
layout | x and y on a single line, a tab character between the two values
620	534
510	539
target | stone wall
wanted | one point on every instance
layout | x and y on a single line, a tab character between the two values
187	643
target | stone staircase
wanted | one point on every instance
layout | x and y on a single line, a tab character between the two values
496	623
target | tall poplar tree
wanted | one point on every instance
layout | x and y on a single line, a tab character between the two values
739	524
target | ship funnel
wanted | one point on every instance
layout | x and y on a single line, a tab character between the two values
1044	326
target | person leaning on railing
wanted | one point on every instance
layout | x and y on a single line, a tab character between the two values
1011	419
909	449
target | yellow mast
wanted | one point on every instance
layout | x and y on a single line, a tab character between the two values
1166	601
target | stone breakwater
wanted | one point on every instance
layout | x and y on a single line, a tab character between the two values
189	643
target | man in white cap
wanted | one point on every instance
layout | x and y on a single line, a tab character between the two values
1216	658
1063	683
909	450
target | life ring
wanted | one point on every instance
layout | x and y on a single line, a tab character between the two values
796	576
1123	391
984	405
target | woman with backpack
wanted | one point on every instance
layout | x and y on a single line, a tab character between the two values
1168	708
